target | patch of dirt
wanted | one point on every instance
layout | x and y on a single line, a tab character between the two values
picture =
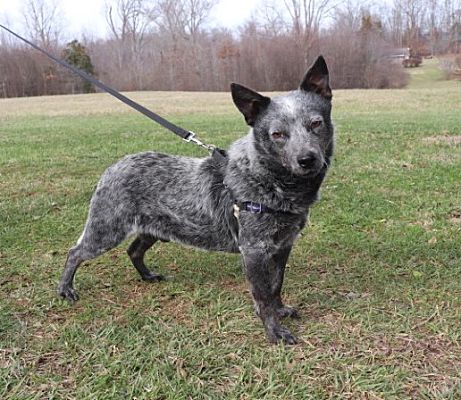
455	217
426	223
178	307
233	285
443	139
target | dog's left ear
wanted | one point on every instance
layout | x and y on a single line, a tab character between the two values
317	79
249	102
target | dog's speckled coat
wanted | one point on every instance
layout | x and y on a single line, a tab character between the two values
280	163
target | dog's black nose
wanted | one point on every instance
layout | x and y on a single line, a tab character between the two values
308	161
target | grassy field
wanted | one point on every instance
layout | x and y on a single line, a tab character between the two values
428	75
376	277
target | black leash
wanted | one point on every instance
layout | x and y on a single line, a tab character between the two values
188	136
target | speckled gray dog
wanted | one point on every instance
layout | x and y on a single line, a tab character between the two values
255	201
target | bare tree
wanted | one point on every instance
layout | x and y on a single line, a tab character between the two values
306	15
415	11
395	23
166	45
128	19
452	21
42	19
183	21
183	18
432	22
129	22
349	15
271	18
304	21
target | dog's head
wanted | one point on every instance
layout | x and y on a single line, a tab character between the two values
294	130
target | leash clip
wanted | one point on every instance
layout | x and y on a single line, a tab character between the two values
191	138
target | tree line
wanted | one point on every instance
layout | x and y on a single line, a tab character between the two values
169	45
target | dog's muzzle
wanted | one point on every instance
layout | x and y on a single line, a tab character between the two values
308	161
309	164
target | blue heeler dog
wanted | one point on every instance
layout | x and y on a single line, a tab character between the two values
255	201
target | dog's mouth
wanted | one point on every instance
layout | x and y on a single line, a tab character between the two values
308	172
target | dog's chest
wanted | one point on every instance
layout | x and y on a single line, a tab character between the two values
269	231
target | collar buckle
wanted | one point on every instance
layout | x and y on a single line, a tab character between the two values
256	208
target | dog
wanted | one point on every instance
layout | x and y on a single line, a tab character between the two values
254	201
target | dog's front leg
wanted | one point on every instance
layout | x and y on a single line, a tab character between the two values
279	263
261	275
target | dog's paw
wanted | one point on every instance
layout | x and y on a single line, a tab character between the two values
69	294
154	277
287	311
280	334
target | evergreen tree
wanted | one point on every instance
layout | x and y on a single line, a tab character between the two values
76	54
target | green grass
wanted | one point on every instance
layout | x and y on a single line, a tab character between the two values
428	75
376	277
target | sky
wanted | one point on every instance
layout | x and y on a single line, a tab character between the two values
87	16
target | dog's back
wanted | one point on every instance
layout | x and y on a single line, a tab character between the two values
172	198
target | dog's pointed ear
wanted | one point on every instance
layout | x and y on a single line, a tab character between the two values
317	79
249	102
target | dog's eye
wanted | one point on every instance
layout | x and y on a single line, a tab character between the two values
316	124
278	135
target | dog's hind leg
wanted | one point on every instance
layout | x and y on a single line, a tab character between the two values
137	250
66	284
280	260
97	238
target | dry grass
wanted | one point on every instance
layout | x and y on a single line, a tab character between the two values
445	140
102	103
